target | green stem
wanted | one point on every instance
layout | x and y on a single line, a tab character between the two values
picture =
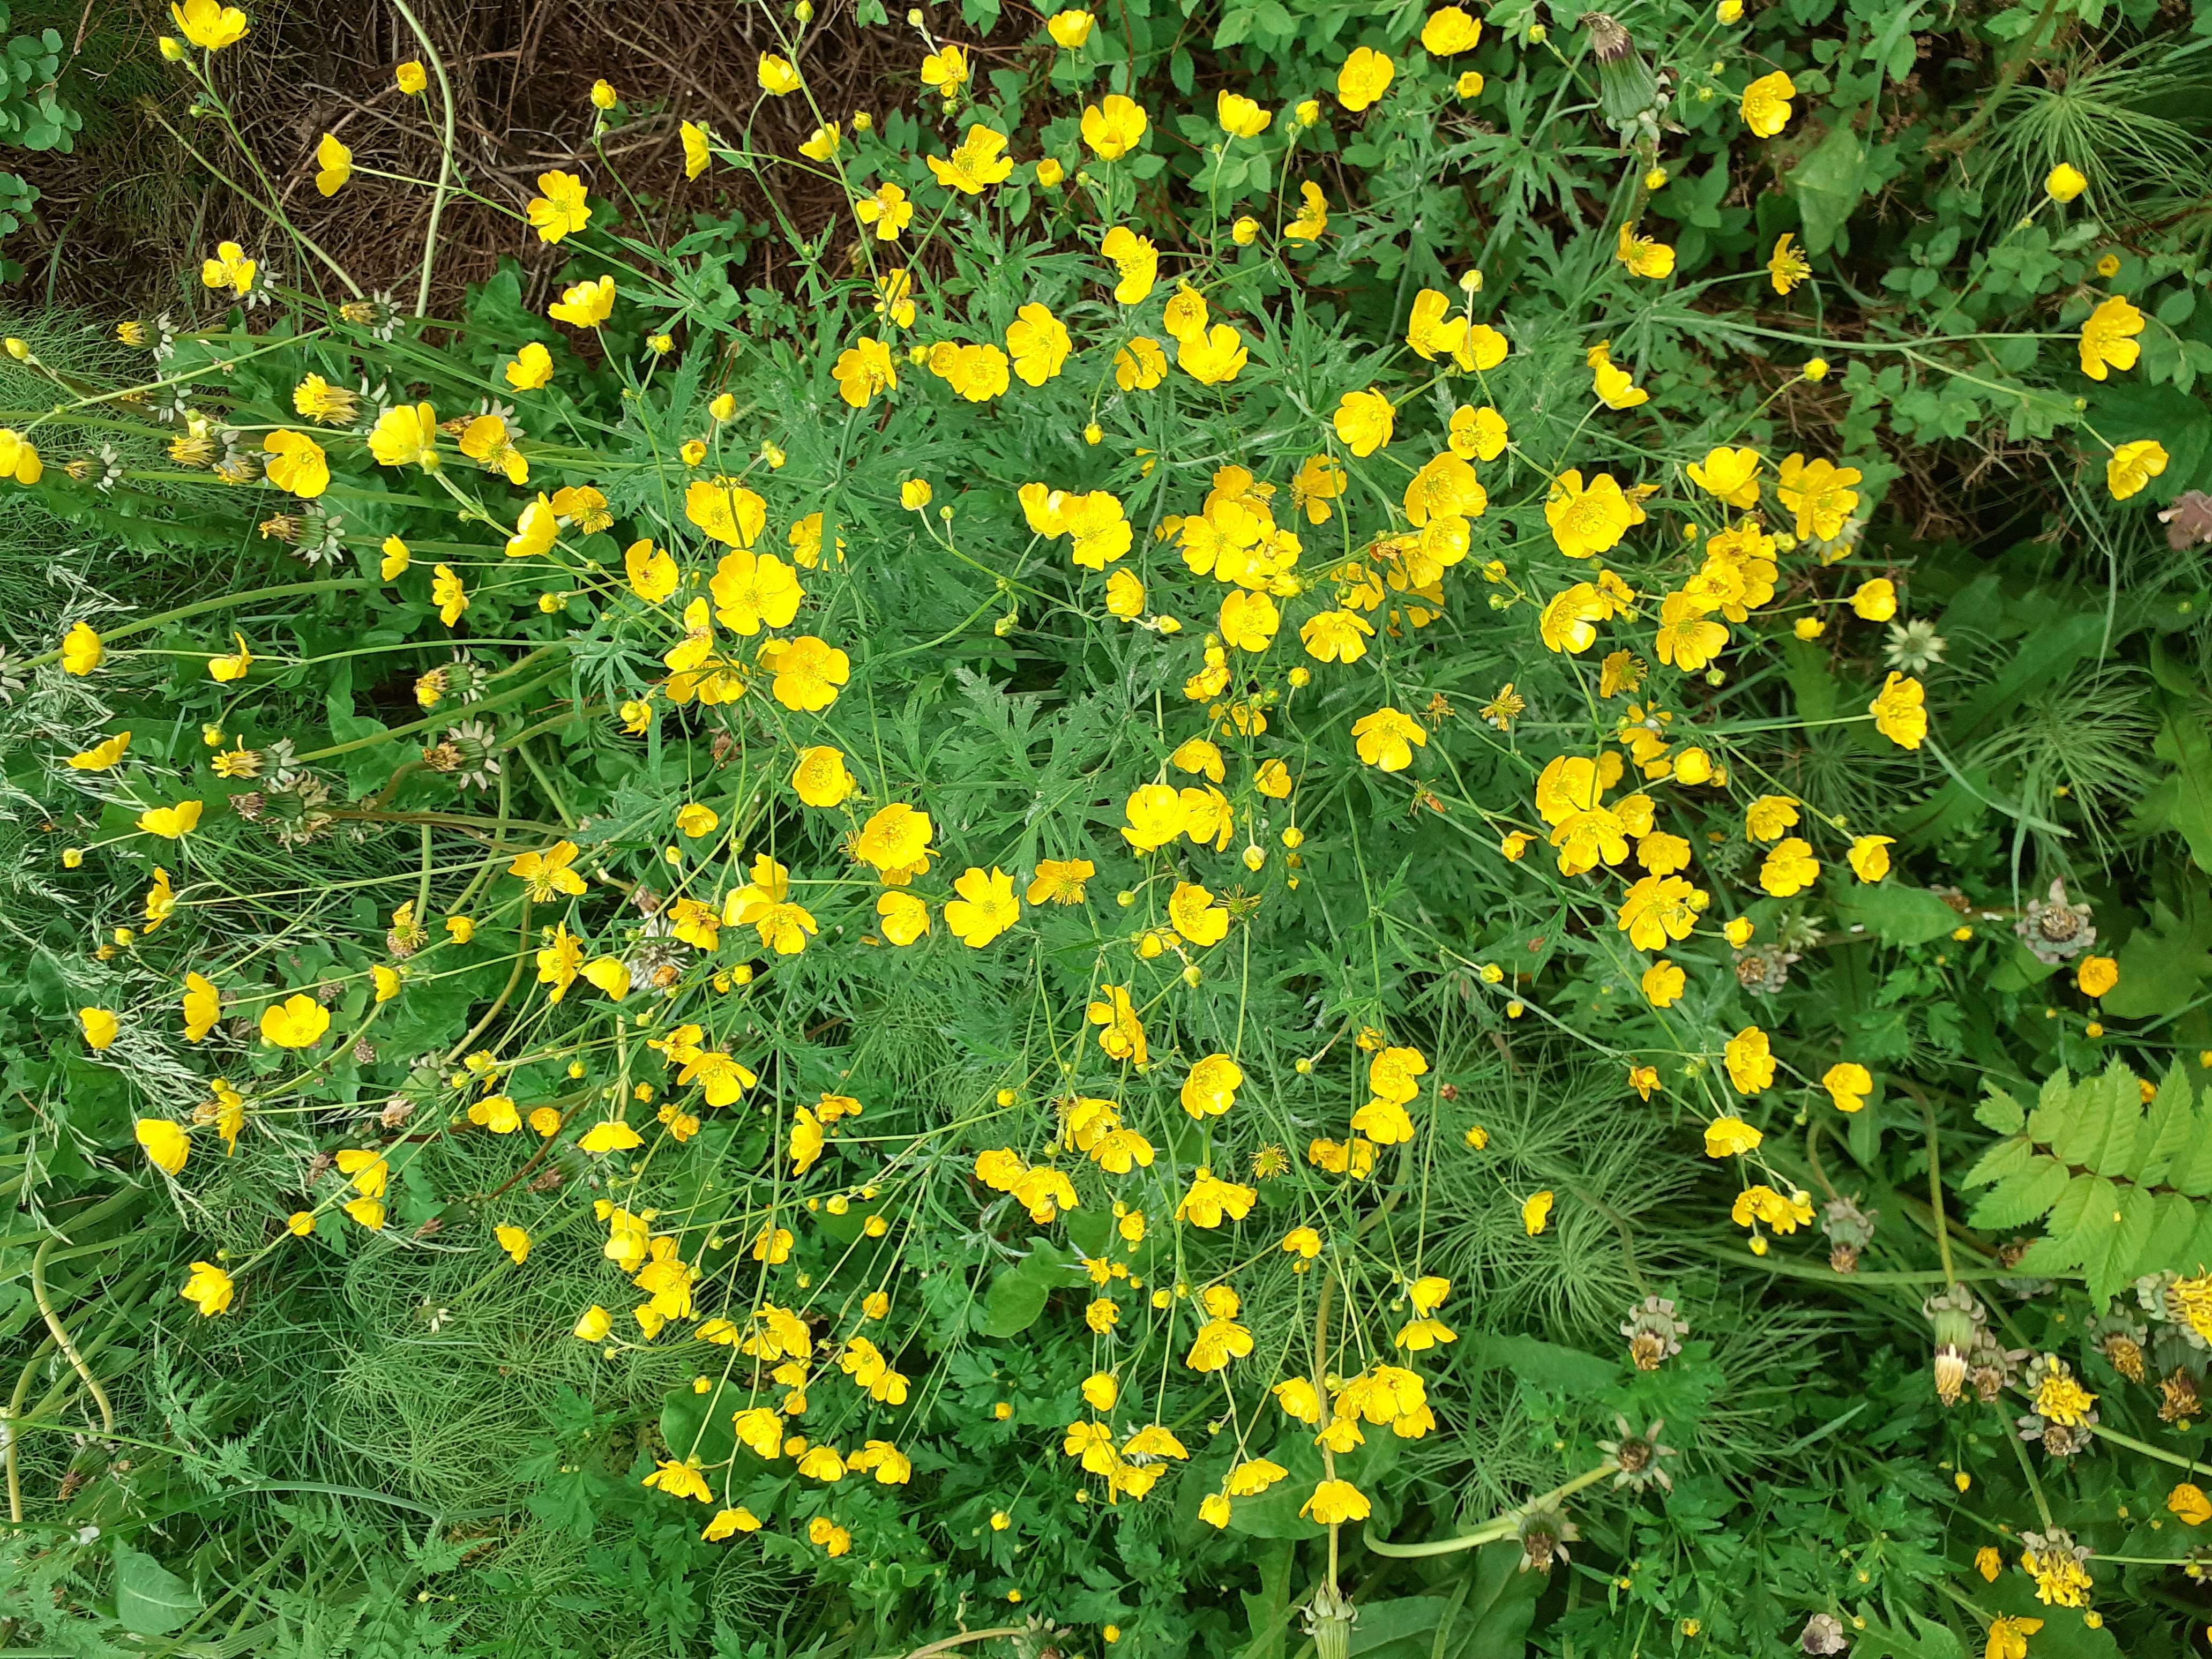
2034	1486
1492	1530
62	1336
445	157
2193	1465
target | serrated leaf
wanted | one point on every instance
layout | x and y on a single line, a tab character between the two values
2008	1158
2053	1105
2114	1233
2021	1198
2081	1124
2168	1128
2171	1229
2061	1248
2192	1169
2196	1256
2120	1106
1999	1111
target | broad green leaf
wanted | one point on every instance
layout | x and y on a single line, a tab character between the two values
1499	1609
1999	1111
1828	184
2008	1158
2191	811
1896	914
1818	697
1017	1294
1922	1638
1403	1625
149	1599
2163	969
2021	1198
1546	1364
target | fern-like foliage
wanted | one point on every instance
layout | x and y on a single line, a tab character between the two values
2120	1183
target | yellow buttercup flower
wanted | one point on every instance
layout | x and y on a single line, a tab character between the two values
172	822
1765	105
1750	1060
1364	77
102	756
2108	337
1364	421
1819	493
1642	255
19	458
1663	983
298	1022
585	305
226	670
210	25
1787	267
560	208
1450	29
2132	465
82	651
230	268
1899	711
209	1289
979	161
1589	520
985	908
406	434
946	70
696	154
1038	343
1240	116
887	209
334	165
1848	1083
1136	261
1730	1137
1386	739
1732	474
1114	126
1312	220
1869	857
1212	357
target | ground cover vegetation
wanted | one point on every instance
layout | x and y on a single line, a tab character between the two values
1258	830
